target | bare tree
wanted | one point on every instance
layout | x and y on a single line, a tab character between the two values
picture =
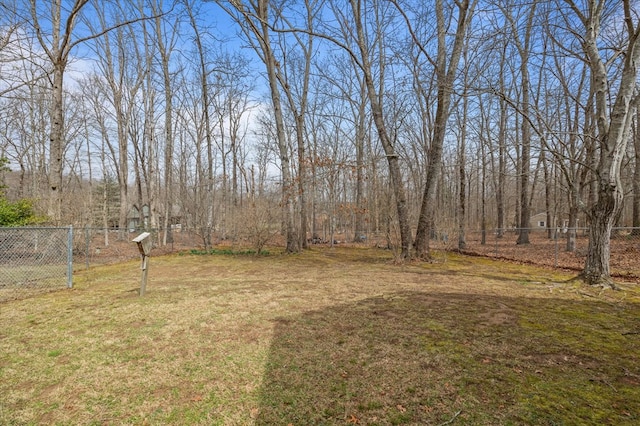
636	175
231	105
375	96
523	45
446	65
613	121
254	18
55	25
462	172
165	39
25	132
57	45
298	102
341	98
573	122
206	228
22	63
500	173
124	75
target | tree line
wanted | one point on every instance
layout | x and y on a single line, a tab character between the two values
313	117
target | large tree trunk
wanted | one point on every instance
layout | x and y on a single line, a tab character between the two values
547	194
56	145
445	75
462	205
462	202
603	214
288	187
502	167
389	149
58	53
572	224
612	136
483	185
524	47
165	53
360	135
636	178
302	177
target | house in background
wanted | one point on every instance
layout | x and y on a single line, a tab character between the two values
137	219
539	221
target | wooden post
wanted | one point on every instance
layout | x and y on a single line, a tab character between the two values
144	246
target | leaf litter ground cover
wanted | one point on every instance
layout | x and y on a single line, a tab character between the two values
331	336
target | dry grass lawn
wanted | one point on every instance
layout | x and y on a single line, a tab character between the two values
327	337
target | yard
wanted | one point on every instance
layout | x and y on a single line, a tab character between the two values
331	336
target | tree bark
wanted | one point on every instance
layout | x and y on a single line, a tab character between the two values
636	177
613	130
164	52
360	135
446	74
393	161
462	202
288	188
524	47
58	53
56	144
502	166
206	225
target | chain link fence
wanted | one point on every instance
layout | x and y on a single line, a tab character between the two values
34	260
100	246
42	259
557	248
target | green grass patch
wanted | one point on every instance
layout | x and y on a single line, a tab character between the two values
328	337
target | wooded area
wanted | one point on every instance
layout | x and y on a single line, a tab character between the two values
396	118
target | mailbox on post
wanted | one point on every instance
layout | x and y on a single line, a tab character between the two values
144	246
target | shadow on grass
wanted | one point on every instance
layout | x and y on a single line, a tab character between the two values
430	359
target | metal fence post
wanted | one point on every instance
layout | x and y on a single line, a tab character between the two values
556	237
86	240
70	257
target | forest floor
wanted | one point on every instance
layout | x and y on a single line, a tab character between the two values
332	336
542	250
545	251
